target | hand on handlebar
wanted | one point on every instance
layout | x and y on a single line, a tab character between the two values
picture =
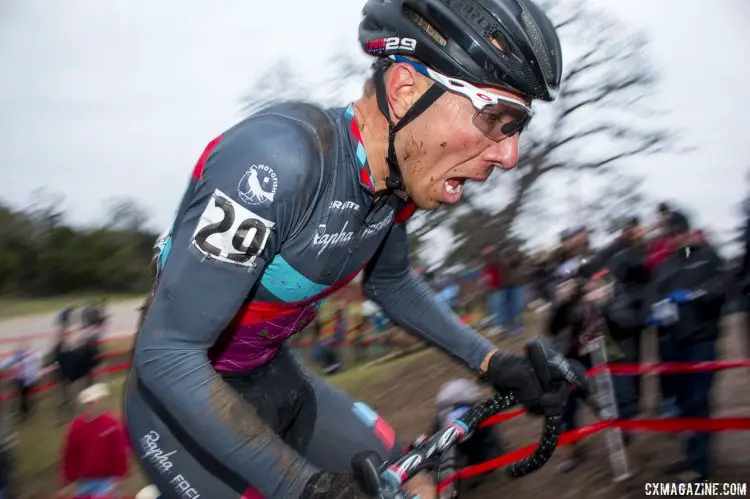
541	380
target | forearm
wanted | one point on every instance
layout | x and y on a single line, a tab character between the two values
411	304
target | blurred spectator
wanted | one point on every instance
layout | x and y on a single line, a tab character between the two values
74	361
573	253
340	328
689	292
659	250
492	280
99	319
359	340
566	325
63	318
453	400
317	347
25	367
94	318
628	266
382	326
540	284
447	290
94	460
514	277
744	279
625	315
324	351
469	285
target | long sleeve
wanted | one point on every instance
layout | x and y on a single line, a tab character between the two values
208	274
407	300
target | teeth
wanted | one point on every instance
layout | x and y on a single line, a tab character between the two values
453	190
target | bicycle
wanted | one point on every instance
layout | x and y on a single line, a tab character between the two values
384	480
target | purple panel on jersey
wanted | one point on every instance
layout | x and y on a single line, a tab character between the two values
252	345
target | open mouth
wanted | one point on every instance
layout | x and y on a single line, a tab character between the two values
454	185
452	189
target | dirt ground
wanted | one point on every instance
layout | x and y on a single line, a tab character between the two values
405	396
403	392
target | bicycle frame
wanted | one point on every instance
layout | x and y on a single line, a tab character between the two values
386	481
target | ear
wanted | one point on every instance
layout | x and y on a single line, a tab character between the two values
403	89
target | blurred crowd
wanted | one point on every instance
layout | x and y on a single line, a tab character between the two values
70	366
666	278
663	279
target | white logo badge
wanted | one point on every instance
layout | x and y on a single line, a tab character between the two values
258	185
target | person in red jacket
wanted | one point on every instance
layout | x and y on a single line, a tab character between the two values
95	452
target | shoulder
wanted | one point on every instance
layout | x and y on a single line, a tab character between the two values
284	144
265	171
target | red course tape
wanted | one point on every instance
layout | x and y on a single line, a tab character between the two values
660	425
670	367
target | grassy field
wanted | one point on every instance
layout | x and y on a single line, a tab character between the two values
14	307
38	471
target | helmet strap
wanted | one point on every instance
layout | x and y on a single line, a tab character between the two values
394	181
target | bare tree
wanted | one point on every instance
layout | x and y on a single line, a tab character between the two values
602	117
125	214
277	83
615	204
743	208
282	83
46	208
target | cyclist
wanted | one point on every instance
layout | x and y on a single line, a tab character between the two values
291	204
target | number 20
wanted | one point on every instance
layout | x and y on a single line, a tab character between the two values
396	43
244	252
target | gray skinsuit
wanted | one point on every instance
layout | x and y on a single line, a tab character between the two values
279	213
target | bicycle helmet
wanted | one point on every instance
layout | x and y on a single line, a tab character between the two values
506	43
510	44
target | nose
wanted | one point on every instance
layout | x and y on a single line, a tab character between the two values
504	154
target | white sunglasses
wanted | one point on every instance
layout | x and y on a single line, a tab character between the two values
498	116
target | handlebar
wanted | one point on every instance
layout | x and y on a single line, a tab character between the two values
385	481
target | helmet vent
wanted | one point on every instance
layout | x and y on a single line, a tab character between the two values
498	41
537	43
425	26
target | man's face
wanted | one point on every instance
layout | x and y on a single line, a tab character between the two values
444	149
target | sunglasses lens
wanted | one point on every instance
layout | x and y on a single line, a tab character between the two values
501	121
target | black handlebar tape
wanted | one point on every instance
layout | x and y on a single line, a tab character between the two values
543	452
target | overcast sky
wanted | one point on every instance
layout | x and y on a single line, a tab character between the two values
118	98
